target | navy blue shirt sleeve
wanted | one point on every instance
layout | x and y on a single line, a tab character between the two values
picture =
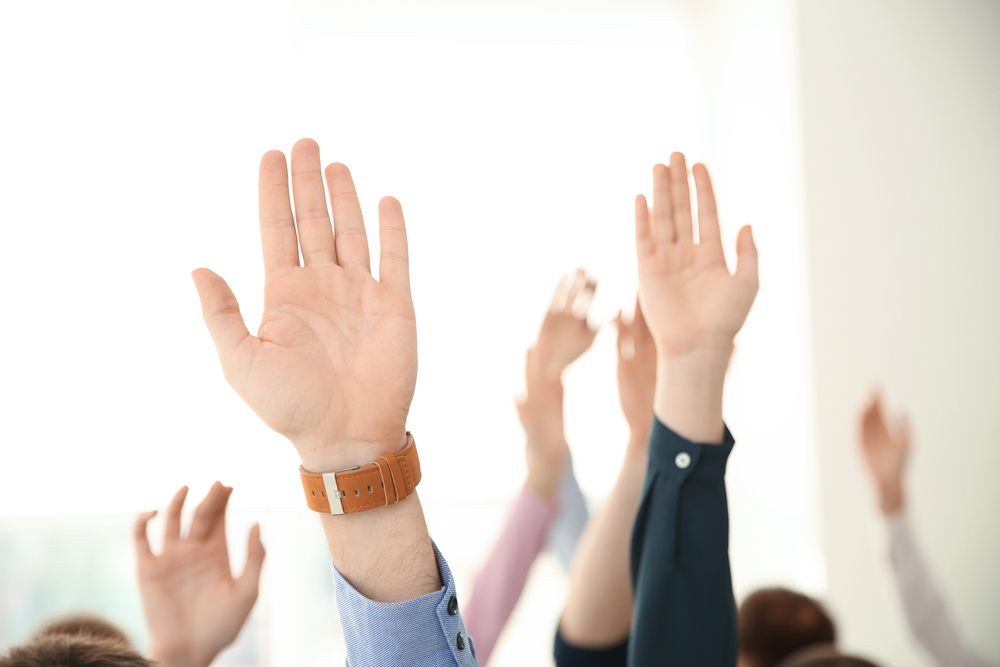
684	612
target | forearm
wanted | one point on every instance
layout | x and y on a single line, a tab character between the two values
598	610
385	553
498	585
541	415
923	604
688	394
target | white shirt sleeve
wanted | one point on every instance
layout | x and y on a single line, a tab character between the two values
924	606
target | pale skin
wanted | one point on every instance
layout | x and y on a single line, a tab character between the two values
563	337
598	610
885	447
693	308
194	607
333	366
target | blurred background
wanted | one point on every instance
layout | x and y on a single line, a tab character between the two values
859	138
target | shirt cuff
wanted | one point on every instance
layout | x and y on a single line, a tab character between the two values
679	458
425	631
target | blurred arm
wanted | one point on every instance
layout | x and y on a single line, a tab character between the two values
598	610
923	604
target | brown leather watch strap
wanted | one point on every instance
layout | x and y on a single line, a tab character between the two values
388	479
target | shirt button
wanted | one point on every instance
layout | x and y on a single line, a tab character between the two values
452	606
683	460
461	642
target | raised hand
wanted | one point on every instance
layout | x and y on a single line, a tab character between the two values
885	448
636	375
690	299
691	302
564	336
334	363
194	607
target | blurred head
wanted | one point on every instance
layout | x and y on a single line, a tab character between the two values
92	626
823	655
72	650
776	622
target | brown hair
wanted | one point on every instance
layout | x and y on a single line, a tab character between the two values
776	622
79	650
92	626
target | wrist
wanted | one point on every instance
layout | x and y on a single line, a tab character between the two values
544	481
637	442
891	498
319	455
538	372
688	395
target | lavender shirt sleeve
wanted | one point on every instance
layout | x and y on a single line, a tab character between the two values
499	584
923	604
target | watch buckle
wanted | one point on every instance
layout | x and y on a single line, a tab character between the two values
333	492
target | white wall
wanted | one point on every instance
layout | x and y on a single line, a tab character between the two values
901	137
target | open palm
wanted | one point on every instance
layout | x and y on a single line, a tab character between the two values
334	363
885	446
565	334
688	296
194	606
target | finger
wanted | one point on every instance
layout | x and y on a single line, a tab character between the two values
221	312
348	225
559	297
172	526
277	229
662	223
249	581
139	536
394	258
209	512
311	217
579	281
708	216
746	258
643	239
680	194
581	306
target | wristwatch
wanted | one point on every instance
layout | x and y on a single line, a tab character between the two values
388	479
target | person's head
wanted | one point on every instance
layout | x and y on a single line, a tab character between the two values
776	622
93	626
823	655
72	650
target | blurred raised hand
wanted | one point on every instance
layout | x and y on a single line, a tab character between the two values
564	336
885	446
334	363
636	375
693	305
194	606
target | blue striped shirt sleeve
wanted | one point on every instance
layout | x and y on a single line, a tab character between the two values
424	632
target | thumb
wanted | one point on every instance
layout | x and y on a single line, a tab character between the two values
221	312
249	581
746	257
